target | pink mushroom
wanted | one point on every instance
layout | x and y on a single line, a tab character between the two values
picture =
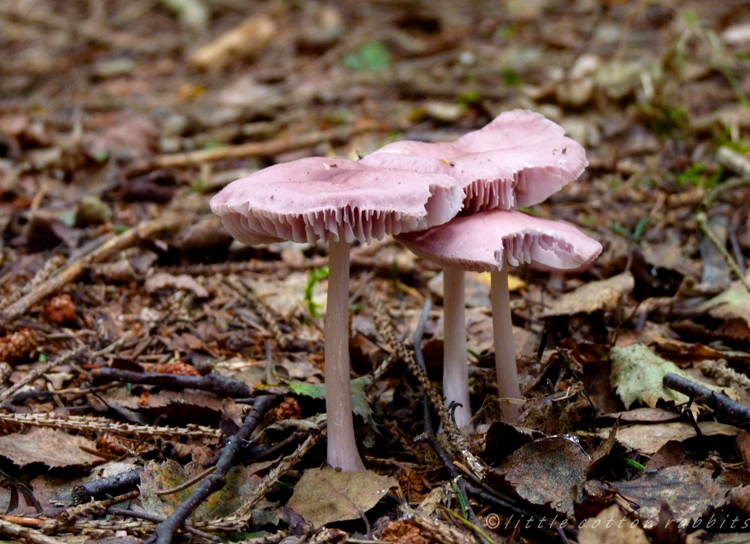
519	159
489	241
338	201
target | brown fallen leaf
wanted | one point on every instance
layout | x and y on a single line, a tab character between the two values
162	280
246	39
545	471
690	492
594	296
649	439
53	448
326	495
606	528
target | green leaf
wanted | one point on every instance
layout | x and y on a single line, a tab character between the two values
637	376
315	276
360	406
371	56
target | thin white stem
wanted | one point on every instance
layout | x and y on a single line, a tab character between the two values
342	448
505	353
455	358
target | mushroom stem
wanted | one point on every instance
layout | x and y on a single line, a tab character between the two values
455	370
505	353
342	448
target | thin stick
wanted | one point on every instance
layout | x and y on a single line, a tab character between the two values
34	374
731	411
75	269
168	528
702	220
283	144
24	534
215	383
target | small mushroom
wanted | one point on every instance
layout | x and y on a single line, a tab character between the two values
489	241
338	201
518	159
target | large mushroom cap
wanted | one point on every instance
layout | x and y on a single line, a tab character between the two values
480	242
519	159
314	198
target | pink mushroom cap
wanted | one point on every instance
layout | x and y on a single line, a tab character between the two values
313	198
518	159
480	242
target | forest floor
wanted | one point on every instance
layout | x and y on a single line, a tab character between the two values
136	335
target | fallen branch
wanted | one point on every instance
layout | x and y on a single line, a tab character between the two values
104	425
90	509
213	383
23	534
109	486
166	530
283	144
731	411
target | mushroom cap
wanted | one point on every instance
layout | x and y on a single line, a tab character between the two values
479	242
313	198
519	159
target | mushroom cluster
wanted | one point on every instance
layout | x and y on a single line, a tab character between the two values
519	159
415	191
338	201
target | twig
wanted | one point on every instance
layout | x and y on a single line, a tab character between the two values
215	481
156	519
239	520
273	476
50	267
733	412
247	294
187	483
702	220
24	534
37	372
75	269
288	142
102	487
734	161
215	383
95	508
88	30
473	524
104	425
429	431
455	441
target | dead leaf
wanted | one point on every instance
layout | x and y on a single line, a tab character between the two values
53	448
326	495
162	280
591	297
650	438
602	530
545	471
690	492
246	39
645	415
732	303
240	483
